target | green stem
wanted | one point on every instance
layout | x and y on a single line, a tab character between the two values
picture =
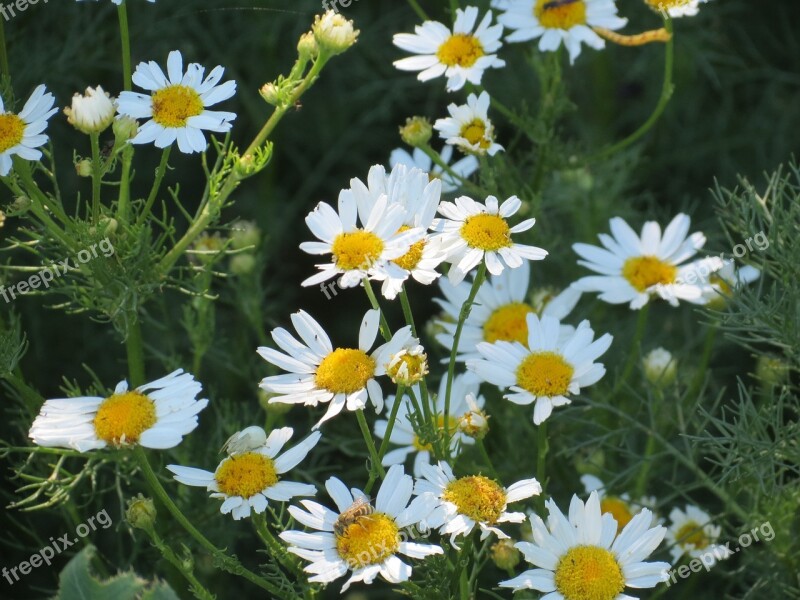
453	8
4	69
97	176
373	300
125	40
123	205
162	169
451	367
135	350
542	447
273	545
666	93
461	579
407	313
437	160
398	399
229	563
708	348
634	350
415	6
487	460
197	588
376	465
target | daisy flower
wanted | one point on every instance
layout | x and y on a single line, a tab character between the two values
358	537
319	373
500	310
723	282
155	415
557	21
675	8
464	401
359	252
633	268
250	476
549	370
691	532
404	360
418	196
464	503
468	127
622	508
464	167
461	55
473	232
21	134
583	556
177	105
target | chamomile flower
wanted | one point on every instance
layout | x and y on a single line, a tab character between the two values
622	508
549	370
500	310
463	168
249	477
418	196
91	112
583	556
21	133
691	532
633	268
461	55
358	537
464	401
473	232
177	105
404	360
557	21
468	127
675	8
723	282
464	503
155	415
318	373
359	252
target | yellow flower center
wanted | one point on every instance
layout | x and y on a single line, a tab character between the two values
560	14
508	324
246	474
12	130
369	540
410	259
662	5
452	422
122	418
477	497
356	250
545	374
589	573
460	49
643	272
173	105
345	370
486	232
692	534
475	133
618	509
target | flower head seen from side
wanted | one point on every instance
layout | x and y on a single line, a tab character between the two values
155	415
91	112
461	55
622	508
319	373
581	556
500	311
463	167
247	479
557	21
358	537
691	532
473	232
676	8
404	359
418	196
465	389
360	251
468	127
22	133
633	268
722	283
549	370
177	104
464	503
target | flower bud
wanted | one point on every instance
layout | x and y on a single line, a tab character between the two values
124	128
141	512
109	226
2	218
475	422
660	368
408	366
243	264
417	131
333	32
504	554
20	205
245	234
93	112
307	47
84	168
270	93
772	371
206	248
